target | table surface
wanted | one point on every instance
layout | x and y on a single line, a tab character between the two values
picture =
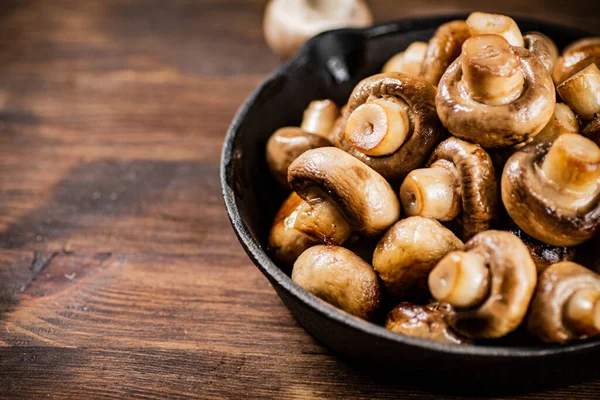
119	273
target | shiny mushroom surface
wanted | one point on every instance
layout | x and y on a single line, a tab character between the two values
489	284
285	145
480	23
285	242
543	47
319	117
582	92
341	278
460	177
444	47
409	61
288	24
544	255
363	197
408	251
391	116
426	322
576	57
552	189
495	94
566	305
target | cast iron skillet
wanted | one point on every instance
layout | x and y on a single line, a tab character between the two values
329	66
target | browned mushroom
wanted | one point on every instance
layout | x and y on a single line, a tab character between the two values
427	322
460	176
285	145
480	23
289	23
330	178
551	190
286	243
592	130
576	57
408	61
563	120
339	277
319	117
443	49
566	305
582	92
390	124
408	251
543	47
489	284
542	254
494	94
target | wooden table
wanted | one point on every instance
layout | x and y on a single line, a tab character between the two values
119	273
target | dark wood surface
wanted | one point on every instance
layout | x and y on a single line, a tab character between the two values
119	273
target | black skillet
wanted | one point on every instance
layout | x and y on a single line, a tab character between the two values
329	66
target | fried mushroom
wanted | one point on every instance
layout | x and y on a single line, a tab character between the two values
566	305
409	61
460	177
489	284
341	278
543	47
552	189
495	94
576	57
480	23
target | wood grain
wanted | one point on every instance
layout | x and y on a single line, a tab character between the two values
119	273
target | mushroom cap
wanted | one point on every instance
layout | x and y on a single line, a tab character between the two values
444	47
408	251
592	130
341	278
543	47
365	199
542	254
426	129
513	280
286	243
576	57
289	23
555	287
285	145
427	322
530	201
477	177
499	125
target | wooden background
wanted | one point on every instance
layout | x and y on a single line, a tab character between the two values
119	272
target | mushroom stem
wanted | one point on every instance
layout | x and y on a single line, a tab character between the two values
563	120
322	221
582	92
483	23
573	163
409	61
378	127
432	192
319	117
582	312
461	279
491	72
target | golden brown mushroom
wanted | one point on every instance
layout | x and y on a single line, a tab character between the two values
489	284
460	177
443	49
408	251
582	92
566	305
576	57
319	117
480	23
285	145
286	243
592	130
339	277
290	23
551	190
330	178
427	322
542	254
543	47
563	120
408	61
390	124
494	94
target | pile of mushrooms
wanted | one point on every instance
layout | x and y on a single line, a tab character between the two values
456	196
